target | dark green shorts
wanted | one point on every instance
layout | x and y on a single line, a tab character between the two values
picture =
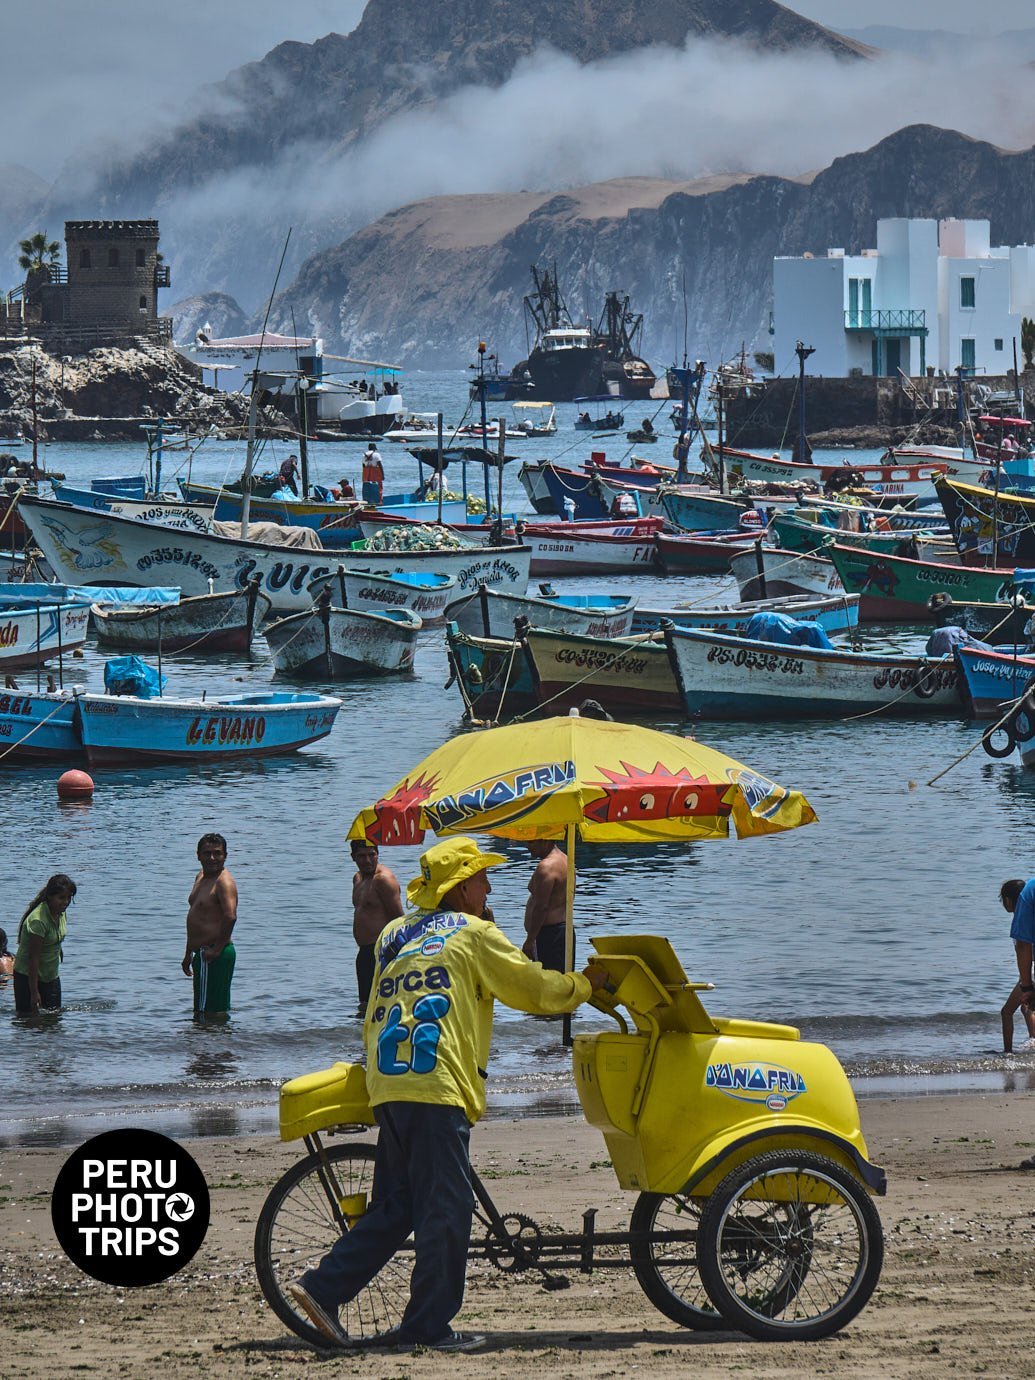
212	981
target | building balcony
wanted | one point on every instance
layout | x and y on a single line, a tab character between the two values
162	278
888	321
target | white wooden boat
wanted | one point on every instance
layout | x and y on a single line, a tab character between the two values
421	592
492	613
736	677
33	632
328	643
592	548
99	548
838	613
768	572
203	623
899	479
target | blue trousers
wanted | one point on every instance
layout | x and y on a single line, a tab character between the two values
422	1184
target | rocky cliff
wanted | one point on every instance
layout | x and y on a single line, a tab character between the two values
227	182
423	283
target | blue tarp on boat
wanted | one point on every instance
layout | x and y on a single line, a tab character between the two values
92	594
791	632
131	675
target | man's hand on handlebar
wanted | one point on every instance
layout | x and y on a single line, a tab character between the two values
598	976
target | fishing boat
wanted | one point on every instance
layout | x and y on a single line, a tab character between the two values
328	643
336	520
38	726
896	588
122	730
795	532
203	623
103	548
603	421
492	674
492	613
740	677
989	528
766	572
163	510
701	553
990	681
592	548
35	631
550	487
897	480
696	509
833	615
1007	621
620	673
420	592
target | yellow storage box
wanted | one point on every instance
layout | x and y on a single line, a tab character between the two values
333	1097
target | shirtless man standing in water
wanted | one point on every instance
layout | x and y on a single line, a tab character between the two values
210	956
376	903
544	910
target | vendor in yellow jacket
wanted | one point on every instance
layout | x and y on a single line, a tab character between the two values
427	1034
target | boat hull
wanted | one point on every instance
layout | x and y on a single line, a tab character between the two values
765	572
37	728
122	730
99	548
701	553
491	613
987	526
424	595
204	623
915	480
493	674
897	589
34	634
991	680
628	547
734	677
348	645
619	673
832	615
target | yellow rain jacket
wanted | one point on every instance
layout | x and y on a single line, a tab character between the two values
429	1020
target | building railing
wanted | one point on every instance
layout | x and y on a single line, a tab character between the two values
886	319
162	278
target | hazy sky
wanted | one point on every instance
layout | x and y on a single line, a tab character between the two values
76	71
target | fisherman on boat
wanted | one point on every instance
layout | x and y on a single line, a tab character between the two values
286	475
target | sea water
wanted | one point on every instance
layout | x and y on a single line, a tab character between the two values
877	930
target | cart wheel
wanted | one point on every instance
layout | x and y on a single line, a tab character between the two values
301	1220
791	1247
666	1268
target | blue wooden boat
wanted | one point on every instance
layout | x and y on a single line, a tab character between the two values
122	730
549	486
699	511
492	674
94	594
38	727
833	615
745	678
989	681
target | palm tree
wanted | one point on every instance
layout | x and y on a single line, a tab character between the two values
38	252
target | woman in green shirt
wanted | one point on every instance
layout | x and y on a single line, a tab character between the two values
41	932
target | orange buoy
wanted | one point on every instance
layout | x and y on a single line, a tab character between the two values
74	785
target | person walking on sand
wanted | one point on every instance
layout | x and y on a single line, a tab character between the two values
41	936
544	909
376	902
212	913
427	1037
1018	898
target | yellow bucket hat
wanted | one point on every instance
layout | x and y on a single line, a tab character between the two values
445	866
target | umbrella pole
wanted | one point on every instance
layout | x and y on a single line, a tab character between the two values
569	923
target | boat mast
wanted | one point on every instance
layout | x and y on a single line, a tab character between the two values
803	351
249	459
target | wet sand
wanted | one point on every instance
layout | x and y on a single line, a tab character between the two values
955	1296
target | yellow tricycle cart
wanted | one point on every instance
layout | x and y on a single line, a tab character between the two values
743	1142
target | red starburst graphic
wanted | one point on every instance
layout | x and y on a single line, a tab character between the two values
397	816
657	794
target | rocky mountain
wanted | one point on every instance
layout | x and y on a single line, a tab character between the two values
261	153
218	314
421	284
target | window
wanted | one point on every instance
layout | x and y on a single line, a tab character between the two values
84	258
967	292
999	342
141	258
113	258
143	304
968	357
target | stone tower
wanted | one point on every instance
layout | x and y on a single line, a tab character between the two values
114	276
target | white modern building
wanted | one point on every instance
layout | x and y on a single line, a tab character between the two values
933	294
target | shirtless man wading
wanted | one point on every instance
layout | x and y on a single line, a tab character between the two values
544	910
212	913
376	903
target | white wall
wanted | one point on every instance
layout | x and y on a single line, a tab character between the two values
808	305
990	318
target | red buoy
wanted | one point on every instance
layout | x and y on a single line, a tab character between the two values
74	785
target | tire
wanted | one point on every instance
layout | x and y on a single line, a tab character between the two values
667	1271
927	683
299	1224
779	1262
1004	747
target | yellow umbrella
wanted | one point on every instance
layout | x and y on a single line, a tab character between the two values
573	777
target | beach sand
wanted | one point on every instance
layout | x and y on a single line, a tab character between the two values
956	1294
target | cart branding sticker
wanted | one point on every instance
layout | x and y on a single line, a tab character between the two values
505	798
767	1084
